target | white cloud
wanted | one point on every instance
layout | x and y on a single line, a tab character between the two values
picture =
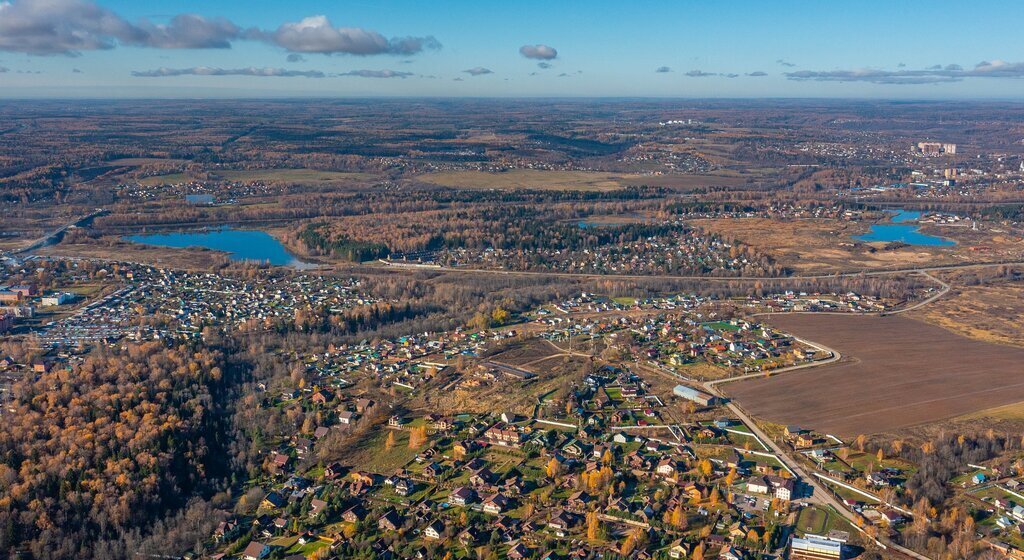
936	74
377	74
69	27
538	52
208	71
316	34
46	27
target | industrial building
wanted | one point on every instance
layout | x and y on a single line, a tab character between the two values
691	394
814	547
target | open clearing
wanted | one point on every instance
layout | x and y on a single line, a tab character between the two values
296	176
571	180
686	181
529	179
896	372
989	313
820	245
827	245
528	353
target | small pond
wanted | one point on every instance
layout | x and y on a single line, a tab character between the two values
901	229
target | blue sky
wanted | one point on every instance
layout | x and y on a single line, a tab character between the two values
885	49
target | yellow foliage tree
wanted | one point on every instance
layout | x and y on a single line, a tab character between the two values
593	526
417	437
678	519
628	545
607	459
499	316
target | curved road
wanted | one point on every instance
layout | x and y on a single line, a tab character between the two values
819	494
945	290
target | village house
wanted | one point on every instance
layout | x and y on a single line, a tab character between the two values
496	504
464	447
390	521
462	496
678	549
316	507
783	487
279	462
256	551
346	417
434	530
579	500
758	485
273	500
561	522
334	470
353	514
503	434
518	552
667	468
303	446
433	470
793	431
363	405
806	440
322	397
468	537
405	487
732	553
226	530
482	477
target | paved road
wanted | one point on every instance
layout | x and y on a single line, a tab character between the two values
943	291
835	357
819	495
55	234
876	272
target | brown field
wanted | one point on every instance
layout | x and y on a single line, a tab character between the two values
285	176
528	353
138	161
820	245
896	372
989	313
506	393
571	180
112	248
528	179
826	245
686	182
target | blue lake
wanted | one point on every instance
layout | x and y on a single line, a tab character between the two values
240	244
900	230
